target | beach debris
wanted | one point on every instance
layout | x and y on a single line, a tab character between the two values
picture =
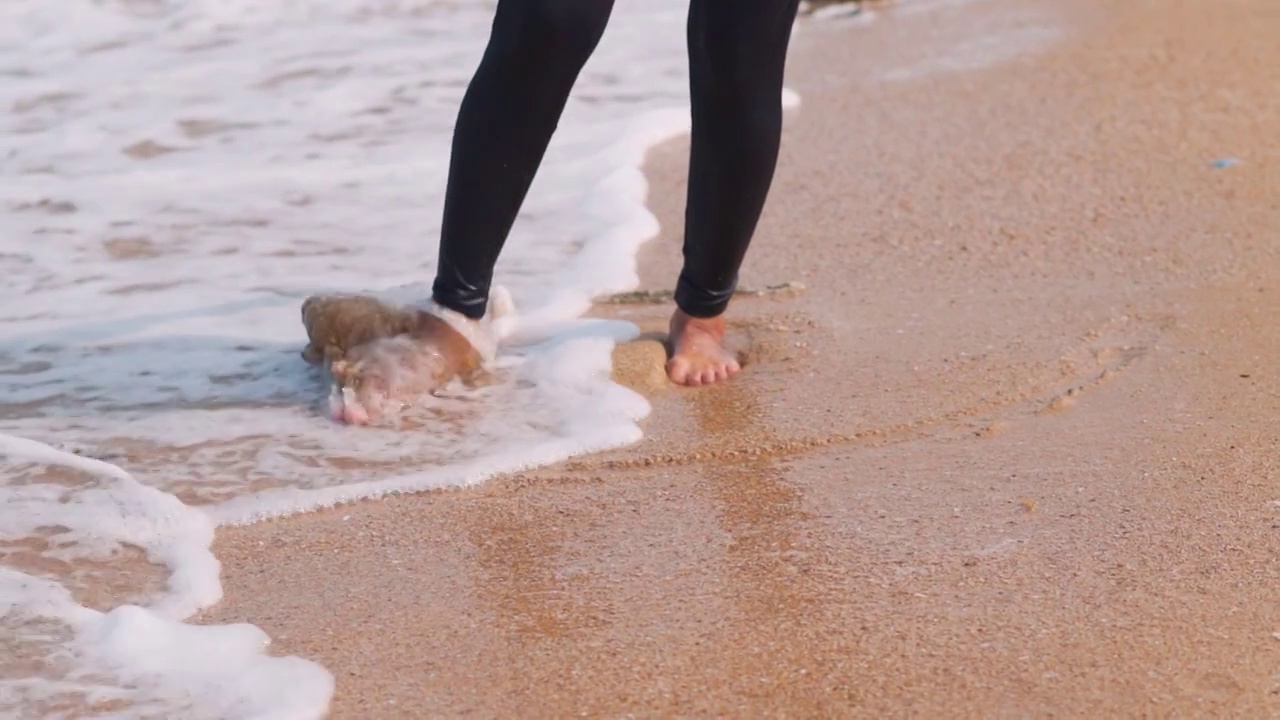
654	297
995	429
1062	402
1225	162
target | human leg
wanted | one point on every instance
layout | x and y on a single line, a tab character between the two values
511	108
737	57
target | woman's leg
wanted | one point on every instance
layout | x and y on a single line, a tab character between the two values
737	55
511	108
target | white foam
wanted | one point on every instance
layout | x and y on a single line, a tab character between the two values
499	321
131	652
569	371
179	176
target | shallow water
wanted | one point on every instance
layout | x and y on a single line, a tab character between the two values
177	178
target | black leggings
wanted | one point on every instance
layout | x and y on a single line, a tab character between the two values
737	51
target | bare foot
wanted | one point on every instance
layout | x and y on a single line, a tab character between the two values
381	355
698	355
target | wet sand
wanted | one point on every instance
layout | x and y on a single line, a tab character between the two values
1013	452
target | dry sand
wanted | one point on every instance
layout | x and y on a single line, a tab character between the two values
1014	453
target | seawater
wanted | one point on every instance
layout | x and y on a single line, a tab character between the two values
177	175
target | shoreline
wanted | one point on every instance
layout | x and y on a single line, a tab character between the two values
1028	471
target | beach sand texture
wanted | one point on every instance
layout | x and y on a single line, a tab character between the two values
1014	451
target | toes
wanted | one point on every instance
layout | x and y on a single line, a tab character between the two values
713	374
683	372
694	373
726	370
677	370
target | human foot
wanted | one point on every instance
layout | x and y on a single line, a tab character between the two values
380	378
698	355
382	355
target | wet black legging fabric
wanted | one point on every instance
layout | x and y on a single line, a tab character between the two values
737	53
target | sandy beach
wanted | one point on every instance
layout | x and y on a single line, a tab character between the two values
1012	451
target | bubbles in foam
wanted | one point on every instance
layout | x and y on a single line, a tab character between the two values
80	510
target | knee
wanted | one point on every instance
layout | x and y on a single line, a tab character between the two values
553	30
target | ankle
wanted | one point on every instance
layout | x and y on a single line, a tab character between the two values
680	320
